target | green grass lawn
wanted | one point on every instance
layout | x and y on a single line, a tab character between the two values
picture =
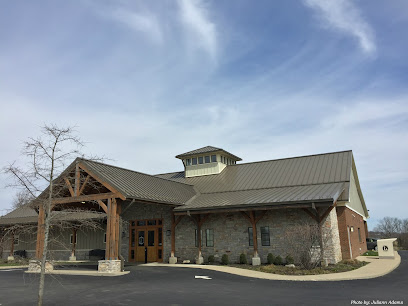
343	266
370	253
12	263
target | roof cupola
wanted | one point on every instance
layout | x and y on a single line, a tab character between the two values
206	161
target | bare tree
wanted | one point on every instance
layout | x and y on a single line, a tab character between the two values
394	227
389	227
305	242
47	155
22	198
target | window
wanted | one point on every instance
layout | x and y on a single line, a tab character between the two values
207	159
160	240
200	160
71	239
213	158
359	234
151	222
265	239
188	162
196	238
141	223
194	160
209	233
16	240
104	239
250	236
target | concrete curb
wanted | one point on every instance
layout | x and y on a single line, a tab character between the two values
81	273
376	268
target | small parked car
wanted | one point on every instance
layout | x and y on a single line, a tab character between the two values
371	244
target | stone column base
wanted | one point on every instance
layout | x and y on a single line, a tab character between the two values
200	260
109	266
256	261
35	266
72	258
172	260
10	258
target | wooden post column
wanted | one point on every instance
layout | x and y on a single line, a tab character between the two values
253	220
199	221
74	241
40	233
112	231
12	245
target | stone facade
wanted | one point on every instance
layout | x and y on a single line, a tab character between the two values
109	266
35	266
138	211
231	235
330	229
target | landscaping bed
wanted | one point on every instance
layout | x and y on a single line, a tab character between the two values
15	262
343	266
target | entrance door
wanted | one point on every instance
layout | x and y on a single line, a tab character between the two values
146	236
146	241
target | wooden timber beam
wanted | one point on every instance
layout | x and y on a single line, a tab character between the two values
232	210
254	220
77	179
84	198
312	215
84	184
103	206
327	212
108	231
106	184
68	183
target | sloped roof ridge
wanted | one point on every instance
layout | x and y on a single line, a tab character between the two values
92	161
276	187
285	158
173	172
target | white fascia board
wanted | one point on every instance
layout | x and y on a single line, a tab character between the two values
346	204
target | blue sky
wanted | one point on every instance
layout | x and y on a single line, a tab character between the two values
146	80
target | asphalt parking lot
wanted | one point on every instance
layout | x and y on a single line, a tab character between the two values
179	286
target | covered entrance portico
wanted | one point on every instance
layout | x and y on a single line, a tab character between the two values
80	188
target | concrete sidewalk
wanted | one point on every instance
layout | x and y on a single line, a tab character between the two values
376	268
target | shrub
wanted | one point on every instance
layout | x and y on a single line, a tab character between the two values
243	259
271	258
211	259
278	260
224	259
289	260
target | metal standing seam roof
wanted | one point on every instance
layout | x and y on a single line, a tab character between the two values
24	214
317	172
260	197
137	185
27	214
207	149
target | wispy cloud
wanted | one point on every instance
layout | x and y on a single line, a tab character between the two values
344	16
194	15
143	22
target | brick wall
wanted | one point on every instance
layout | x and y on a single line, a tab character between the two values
349	222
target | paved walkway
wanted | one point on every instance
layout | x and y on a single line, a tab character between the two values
376	268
